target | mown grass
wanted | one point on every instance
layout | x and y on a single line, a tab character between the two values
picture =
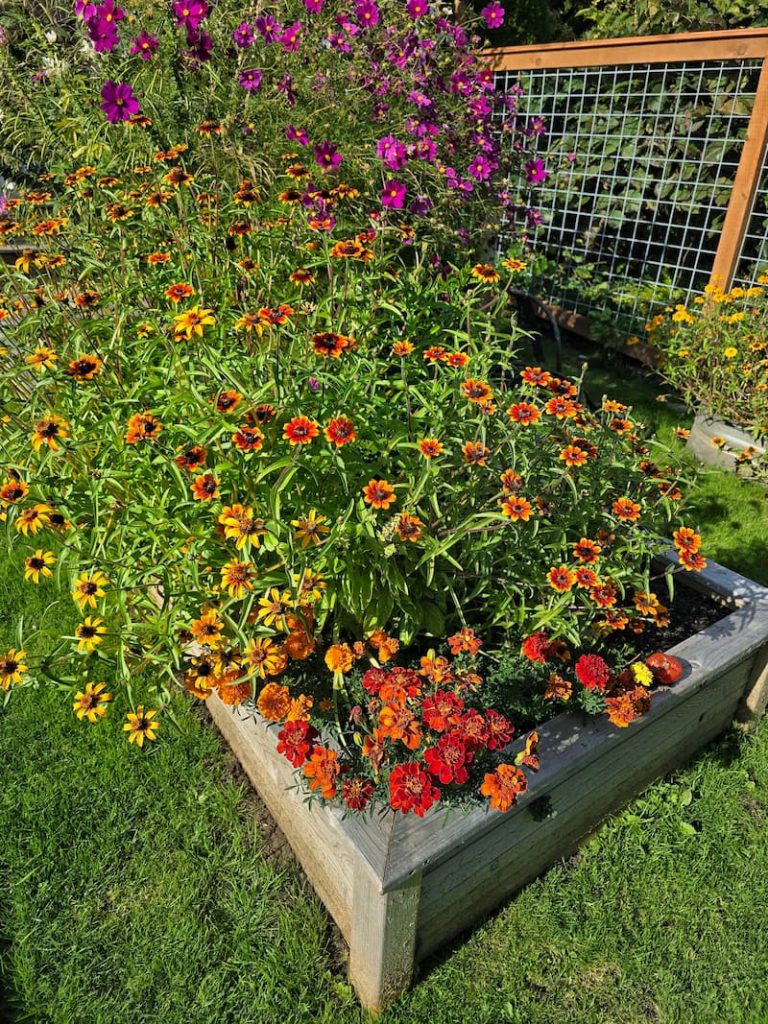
144	887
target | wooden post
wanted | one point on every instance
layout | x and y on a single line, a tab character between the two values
745	185
755	701
383	942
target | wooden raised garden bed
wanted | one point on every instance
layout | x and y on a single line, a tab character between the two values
399	887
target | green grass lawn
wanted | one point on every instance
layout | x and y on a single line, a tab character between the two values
149	888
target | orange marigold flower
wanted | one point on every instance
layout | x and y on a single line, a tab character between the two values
430	447
476	453
274	702
524	413
386	646
340	431
466	640
517	508
233	694
379	494
176	292
626	510
504	786
561	578
300	430
398	723
323	771
205	487
339	658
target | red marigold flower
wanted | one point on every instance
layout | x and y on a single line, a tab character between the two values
300	430
500	730
535	376
340	431
626	510
379	494
323	771
517	508
473	729
465	640
537	647
441	710
592	671
561	578
397	723
411	789
374	679
504	786
448	760
524	413
430	447
295	740
356	792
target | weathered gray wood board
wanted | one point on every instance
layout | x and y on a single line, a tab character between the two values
399	887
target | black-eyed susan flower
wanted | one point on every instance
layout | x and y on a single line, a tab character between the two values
88	588
141	725
194	321
90	633
265	656
50	431
379	494
309	529
39	564
43	358
205	487
486	273
143	426
207	630
274	607
92	703
85	368
13	491
12	667
176	292
32	520
409	527
241	525
237	577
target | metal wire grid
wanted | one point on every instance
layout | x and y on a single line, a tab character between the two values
753	259
633	220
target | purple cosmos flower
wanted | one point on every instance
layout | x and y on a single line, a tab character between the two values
251	79
200	44
534	217
367	13
571	158
535	171
339	41
243	35
268	27
314	6
392	153
326	156
297	135
480	168
480	107
493	15
285	86
144	45
4	204
84	10
417	8
103	34
107	11
422	101
289	40
536	127
118	101
190	13
393	195
314	383
425	149
420	206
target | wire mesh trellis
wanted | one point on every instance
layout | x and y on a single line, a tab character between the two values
642	161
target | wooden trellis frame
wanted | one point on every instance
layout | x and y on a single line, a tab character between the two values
740	44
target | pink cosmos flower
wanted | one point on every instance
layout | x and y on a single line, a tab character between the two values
289	40
493	15
118	101
296	135
251	79
393	195
327	156
144	45
314	6
535	171
190	13
417	8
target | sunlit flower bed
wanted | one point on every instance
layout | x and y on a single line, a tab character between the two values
269	428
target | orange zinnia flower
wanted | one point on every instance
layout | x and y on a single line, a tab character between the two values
340	431
561	578
430	447
587	551
379	494
409	527
177	292
573	456
517	508
626	510
524	413
475	453
686	539
476	390
300	430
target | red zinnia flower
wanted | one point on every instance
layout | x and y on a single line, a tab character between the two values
300	430
592	672
340	431
411	789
